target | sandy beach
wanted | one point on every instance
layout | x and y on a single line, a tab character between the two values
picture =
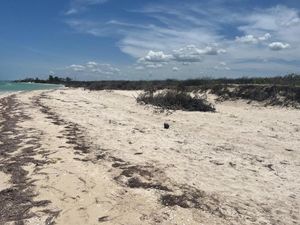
70	156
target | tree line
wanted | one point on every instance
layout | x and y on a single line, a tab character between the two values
288	80
51	80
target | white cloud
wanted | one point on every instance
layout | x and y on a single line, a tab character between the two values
175	69
271	19
187	54
251	39
266	37
190	53
92	64
94	67
137	43
76	67
292	21
246	39
282	22
154	66
212	51
71	11
137	39
78	6
153	56
276	46
222	66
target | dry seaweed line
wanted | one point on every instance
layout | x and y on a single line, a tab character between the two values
17	201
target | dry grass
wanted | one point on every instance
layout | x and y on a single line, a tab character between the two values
176	100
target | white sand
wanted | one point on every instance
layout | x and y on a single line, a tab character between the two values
243	159
4	181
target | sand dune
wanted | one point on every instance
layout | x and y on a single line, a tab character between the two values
100	158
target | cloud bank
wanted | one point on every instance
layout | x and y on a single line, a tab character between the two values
194	37
277	46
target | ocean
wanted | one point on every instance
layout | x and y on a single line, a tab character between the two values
9	87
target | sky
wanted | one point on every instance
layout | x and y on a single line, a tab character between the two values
148	39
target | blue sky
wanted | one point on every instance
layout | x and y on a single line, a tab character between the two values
143	39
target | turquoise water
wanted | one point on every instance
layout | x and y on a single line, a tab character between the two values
7	87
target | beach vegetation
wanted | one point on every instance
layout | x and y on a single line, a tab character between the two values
176	100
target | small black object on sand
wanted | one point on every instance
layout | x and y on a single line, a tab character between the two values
166	126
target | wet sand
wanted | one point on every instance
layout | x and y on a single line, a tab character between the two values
77	157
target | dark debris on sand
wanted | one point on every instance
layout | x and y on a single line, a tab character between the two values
72	131
17	201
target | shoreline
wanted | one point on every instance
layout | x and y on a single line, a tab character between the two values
7	94
95	157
